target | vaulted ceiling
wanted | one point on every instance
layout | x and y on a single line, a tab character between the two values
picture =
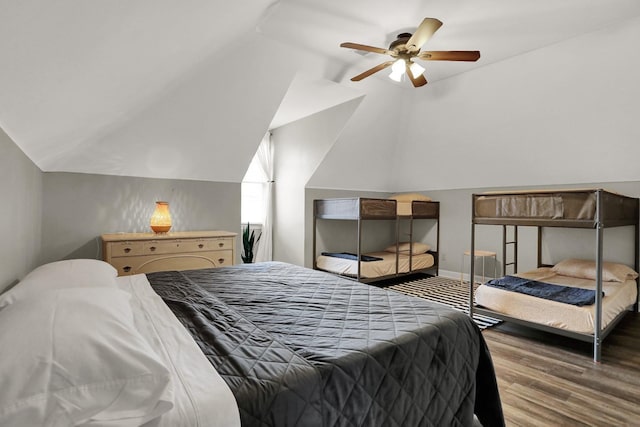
187	89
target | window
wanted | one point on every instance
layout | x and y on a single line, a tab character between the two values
252	194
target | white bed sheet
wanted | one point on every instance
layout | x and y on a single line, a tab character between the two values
372	269
617	297
202	398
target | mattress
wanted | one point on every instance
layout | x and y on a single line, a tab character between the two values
537	205
577	205
617	298
201	397
418	209
373	269
303	347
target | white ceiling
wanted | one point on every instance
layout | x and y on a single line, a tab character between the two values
82	82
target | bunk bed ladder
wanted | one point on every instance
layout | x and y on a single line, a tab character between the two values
505	243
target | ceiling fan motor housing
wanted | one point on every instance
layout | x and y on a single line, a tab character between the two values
398	44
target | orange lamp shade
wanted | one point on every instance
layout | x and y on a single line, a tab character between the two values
161	218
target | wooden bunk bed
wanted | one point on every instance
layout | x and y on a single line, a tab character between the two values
594	209
395	264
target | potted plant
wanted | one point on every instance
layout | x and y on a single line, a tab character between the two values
248	242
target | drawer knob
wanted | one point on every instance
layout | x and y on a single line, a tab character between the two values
152	248
127	250
126	269
221	260
221	244
201	246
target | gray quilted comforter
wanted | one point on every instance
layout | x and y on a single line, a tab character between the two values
300	347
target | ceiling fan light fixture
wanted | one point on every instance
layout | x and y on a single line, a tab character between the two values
396	76
398	66
397	70
416	70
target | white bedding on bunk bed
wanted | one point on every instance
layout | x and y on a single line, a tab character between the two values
373	269
618	296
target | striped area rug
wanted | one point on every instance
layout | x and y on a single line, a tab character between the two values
445	291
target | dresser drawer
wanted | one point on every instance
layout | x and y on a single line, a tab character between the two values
128	265
220	244
222	258
126	248
175	246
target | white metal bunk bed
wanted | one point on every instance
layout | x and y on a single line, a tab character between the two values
361	209
595	209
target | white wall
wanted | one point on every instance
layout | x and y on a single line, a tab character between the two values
559	115
362	156
205	127
20	211
298	149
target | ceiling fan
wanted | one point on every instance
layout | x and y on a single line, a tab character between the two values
406	48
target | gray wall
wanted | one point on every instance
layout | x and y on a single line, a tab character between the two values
80	207
455	232
20	212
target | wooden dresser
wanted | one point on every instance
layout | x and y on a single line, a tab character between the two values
133	253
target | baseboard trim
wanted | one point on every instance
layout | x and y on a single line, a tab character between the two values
450	274
456	275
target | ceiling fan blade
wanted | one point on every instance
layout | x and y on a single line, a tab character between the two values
365	48
423	33
370	71
451	55
417	81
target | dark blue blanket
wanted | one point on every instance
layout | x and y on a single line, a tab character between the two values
564	294
348	255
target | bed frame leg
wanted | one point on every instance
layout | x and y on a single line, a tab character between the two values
472	269
597	351
597	332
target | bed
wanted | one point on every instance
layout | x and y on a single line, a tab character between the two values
268	344
386	264
619	296
404	259
595	209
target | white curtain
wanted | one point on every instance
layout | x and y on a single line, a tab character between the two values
265	159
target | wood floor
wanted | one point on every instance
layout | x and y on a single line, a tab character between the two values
548	380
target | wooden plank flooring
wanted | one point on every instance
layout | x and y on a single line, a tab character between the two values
548	380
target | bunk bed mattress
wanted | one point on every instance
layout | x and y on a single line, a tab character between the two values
617	298
558	205
303	347
373	269
404	208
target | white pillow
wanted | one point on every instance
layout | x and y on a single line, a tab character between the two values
73	356
70	273
416	248
585	269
